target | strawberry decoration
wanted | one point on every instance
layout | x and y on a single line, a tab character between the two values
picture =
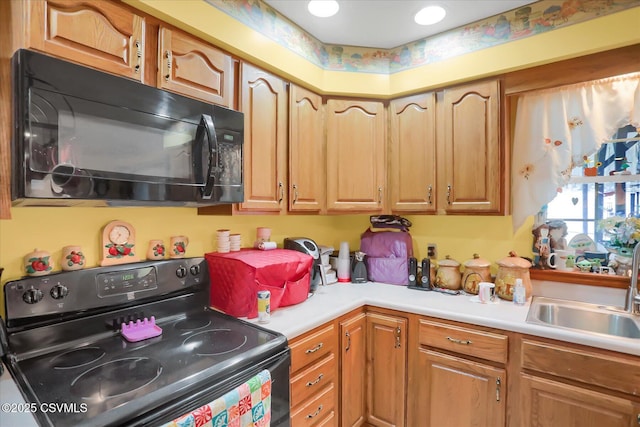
38	265
119	251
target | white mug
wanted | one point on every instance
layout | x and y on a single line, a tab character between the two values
486	292
558	259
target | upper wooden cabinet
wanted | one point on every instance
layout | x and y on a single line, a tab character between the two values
100	34
263	100
356	156
307	164
412	151
470	174
191	67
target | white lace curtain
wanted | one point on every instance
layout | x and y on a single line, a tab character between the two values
555	128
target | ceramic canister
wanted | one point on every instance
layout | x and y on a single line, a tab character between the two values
476	270
72	258
509	269
448	275
38	263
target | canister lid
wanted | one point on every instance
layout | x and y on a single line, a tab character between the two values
513	260
448	262
476	261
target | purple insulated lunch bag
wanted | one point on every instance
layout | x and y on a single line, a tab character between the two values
388	254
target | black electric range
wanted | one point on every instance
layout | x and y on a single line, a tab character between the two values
66	350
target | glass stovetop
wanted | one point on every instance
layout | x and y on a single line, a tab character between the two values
110	378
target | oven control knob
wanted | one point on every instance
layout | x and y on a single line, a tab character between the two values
181	272
32	296
195	270
59	291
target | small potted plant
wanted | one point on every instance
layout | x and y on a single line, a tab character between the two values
590	170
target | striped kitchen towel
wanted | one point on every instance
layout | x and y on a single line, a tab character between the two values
249	405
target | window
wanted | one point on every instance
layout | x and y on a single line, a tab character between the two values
613	191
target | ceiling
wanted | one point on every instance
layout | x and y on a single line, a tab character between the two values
387	24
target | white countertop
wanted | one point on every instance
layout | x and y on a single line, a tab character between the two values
335	300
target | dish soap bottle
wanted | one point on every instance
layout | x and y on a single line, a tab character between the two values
519	293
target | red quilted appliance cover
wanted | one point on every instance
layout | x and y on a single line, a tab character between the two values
236	278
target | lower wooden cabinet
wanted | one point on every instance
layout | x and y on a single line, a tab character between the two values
353	359
572	385
314	373
457	375
379	367
547	403
459	392
386	369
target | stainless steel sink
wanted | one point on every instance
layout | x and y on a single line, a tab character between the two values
584	317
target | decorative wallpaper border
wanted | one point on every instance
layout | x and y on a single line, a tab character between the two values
537	18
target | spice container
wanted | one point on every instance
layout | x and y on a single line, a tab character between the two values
476	270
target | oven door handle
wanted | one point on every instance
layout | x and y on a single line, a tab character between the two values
209	150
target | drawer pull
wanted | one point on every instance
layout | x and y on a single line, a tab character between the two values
314	349
315	414
398	332
348	335
316	381
498	385
138	55
457	341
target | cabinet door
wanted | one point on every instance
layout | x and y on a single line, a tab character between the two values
307	164
547	403
412	153
264	104
356	158
193	68
471	173
101	34
353	358
456	392
386	369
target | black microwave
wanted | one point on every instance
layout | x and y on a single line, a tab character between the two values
83	137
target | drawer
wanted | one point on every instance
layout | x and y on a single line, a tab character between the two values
471	342
603	369
313	346
316	410
310	380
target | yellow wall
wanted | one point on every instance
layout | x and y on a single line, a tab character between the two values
52	228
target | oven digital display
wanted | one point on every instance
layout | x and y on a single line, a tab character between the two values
125	283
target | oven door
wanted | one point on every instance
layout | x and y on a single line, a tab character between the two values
278	366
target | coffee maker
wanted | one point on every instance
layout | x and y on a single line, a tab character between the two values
308	246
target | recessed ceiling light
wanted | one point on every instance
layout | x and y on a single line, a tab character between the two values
430	15
323	8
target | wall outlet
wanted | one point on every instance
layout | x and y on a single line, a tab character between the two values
432	250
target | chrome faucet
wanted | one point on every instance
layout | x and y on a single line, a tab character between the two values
632	302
